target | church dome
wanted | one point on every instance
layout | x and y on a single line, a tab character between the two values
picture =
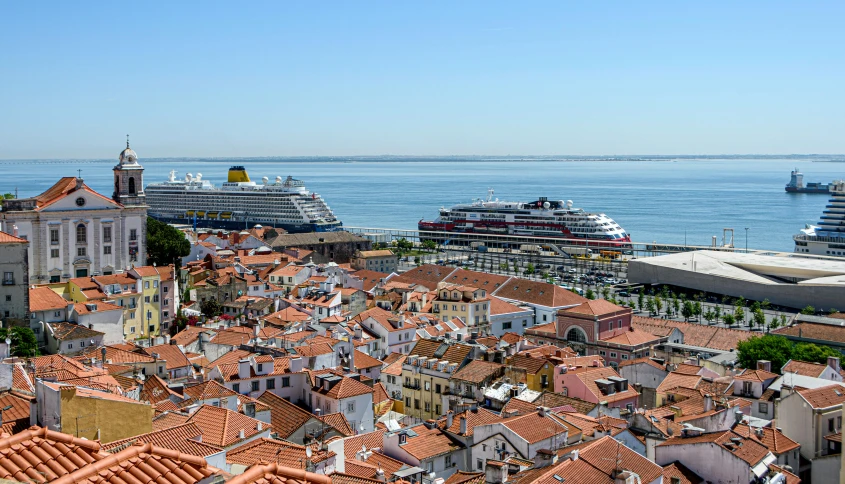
128	156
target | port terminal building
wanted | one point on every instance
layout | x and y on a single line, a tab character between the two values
784	279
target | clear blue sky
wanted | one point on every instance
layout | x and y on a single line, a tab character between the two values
459	77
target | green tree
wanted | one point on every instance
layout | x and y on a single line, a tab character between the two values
210	308
640	300
503	266
530	269
739	314
165	244
417	260
404	244
270	234
429	245
6	196
758	318
687	310
649	304
696	310
658	304
774	348
729	319
809	310
717	311
24	344
590	294
605	293
709	316
676	306
832	311
813	353
766	304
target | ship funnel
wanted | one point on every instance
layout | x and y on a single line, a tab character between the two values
238	174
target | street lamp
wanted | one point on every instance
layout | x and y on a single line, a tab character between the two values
746	240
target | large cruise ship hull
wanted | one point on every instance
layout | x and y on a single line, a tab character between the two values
510	228
248	224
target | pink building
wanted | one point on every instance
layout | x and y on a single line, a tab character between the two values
598	385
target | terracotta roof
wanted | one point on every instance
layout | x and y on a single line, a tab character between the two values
45	299
632	337
285	417
589	379
345	388
187	335
233	356
41	455
339	422
276	473
824	397
427	275
462	477
120	356
550	328
540	293
530	364
232	337
804	368
674	380
379	393
395	368
756	375
343	478
790	477
681	473
479	416
476	371
71	331
220	426
645	360
21	379
596	307
272	450
16	418
155	390
180	438
697	334
774	440
751	451
371	440
428	443
11	239
169	419
174	356
817	331
369	278
555	400
281	366
533	427
209	390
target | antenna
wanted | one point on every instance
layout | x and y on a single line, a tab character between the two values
127	141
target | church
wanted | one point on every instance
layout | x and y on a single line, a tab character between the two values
73	231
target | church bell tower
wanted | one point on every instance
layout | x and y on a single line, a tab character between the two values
129	179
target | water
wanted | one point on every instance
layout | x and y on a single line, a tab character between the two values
666	201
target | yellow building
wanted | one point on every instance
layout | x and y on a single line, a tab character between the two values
537	373
150	298
426	373
471	304
91	414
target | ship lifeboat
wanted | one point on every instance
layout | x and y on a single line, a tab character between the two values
212	214
226	215
189	213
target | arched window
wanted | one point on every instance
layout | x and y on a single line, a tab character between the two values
132	185
81	234
577	335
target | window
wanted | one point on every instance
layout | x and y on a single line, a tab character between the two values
132	328
133	234
437	410
416	404
610	325
544	317
576	335
746	387
54	253
261	367
81	234
505	325
107	235
427	386
155	298
429	467
437	388
479	465
106	250
830	426
565	392
132	185
155	283
164	289
624	356
350	406
524	323
131	314
146	285
161	369
80	251
236	388
8	278
255	386
428	406
612	354
629	407
448	460
763	408
602	353
54	236
146	299
285	381
57	314
408	402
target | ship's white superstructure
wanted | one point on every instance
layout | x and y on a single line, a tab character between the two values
540	218
239	203
828	237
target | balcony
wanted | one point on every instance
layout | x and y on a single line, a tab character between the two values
9	281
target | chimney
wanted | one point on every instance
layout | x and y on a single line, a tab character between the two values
463	421
785	390
256	330
167	339
380	475
543	411
544	458
260	426
708	402
764	365
243	369
242	434
430	424
496	472
450	417
296	364
626	477
15	230
574	455
833	362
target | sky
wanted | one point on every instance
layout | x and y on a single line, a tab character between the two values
284	78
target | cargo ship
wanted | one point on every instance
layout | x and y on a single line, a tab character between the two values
542	218
240	203
796	184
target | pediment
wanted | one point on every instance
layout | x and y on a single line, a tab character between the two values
84	199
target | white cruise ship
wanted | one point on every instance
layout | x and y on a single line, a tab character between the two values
541	218
828	237
240	203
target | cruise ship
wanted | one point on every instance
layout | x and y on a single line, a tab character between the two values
240	203
828	237
541	218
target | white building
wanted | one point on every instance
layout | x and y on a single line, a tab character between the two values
76	232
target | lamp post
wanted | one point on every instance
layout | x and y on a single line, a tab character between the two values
746	240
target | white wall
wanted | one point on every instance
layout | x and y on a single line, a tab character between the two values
706	459
108	322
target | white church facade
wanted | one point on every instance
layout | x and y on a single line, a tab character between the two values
74	231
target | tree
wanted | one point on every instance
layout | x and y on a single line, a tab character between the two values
649	304
529	269
417	260
640	300
503	266
429	245
729	319
739	314
809	310
774	348
696	310
709	316
658	304
676	306
766	304
605	293
23	340
687	310
832	311
210	308
590	294
404	244
813	353
758	318
270	234
165	244
717	312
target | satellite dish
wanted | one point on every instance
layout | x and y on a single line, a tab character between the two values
308	451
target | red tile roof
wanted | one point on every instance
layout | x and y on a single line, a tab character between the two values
11	239
285	417
181	438
804	368
751	451
71	331
696	334
534	427
45	299
221	427
174	356
596	307
263	473
479	416
370	440
773	439
824	397
476	371
428	443
363	360
540	293
632	337
272	450
681	473
589	379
